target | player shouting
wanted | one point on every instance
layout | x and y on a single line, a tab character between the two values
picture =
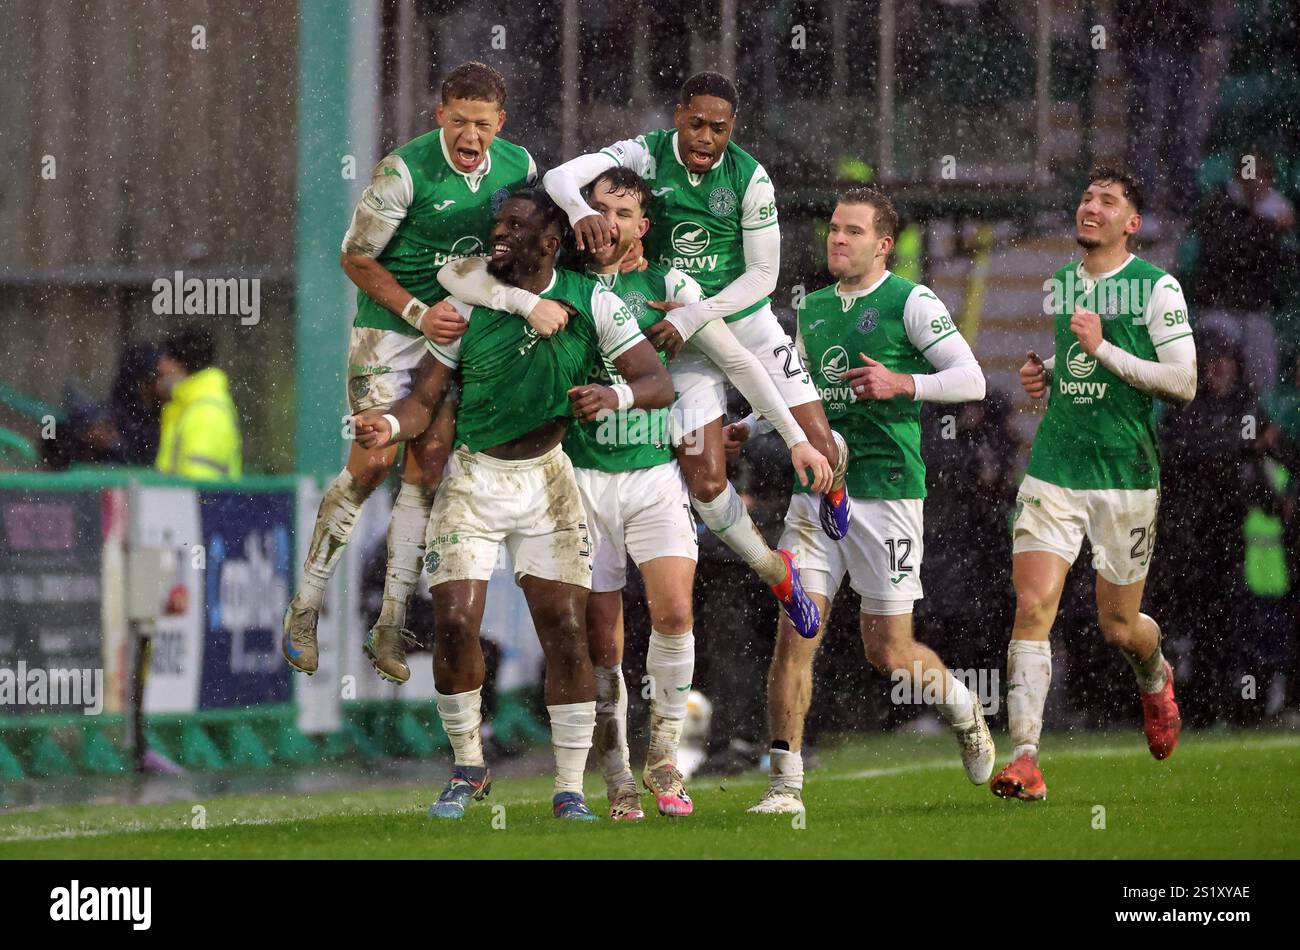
910	352
1122	340
429	202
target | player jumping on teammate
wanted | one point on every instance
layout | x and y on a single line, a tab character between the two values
1123	340
430	201
716	219
509	482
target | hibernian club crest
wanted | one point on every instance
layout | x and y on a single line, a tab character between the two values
722	202
867	322
498	199
636	303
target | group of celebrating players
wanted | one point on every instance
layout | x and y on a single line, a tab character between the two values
555	359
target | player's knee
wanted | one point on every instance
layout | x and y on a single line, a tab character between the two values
1033	610
883	655
672	615
455	629
706	484
1116	629
370	474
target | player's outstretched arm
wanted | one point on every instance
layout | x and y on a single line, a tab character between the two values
719	344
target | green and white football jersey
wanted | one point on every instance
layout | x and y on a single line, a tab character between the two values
700	220
513	380
893	322
442	214
631	439
1099	431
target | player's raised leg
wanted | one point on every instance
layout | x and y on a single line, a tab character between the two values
458	673
893	649
704	465
559	614
426	458
1038	577
335	520
1138	637
789	694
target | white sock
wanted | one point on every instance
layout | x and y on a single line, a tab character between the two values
670	663
1029	674
842	463
406	530
572	725
726	517
335	519
787	768
957	707
1150	672
462	718
611	728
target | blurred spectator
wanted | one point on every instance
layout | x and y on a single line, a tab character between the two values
1175	55
200	430
1211	476
86	436
1242	265
135	403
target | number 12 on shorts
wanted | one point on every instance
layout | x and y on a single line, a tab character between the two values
900	549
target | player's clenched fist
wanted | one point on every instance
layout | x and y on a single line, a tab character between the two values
591	400
1086	325
371	430
442	323
1033	376
549	317
733	438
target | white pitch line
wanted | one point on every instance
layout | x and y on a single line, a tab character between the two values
1099	752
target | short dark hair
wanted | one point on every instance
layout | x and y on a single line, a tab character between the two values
886	219
552	215
475	80
623	181
192	347
1115	173
710	84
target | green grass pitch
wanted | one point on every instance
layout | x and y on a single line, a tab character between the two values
1221	795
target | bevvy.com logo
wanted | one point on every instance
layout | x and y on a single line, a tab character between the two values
1080	366
690	240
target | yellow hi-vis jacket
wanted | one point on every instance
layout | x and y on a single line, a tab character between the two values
200	431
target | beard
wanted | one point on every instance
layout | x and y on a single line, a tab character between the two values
522	261
1088	243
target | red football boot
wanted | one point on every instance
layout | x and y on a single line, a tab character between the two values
1021	779
1161	720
